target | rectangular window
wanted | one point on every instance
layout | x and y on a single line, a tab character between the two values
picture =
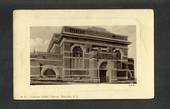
67	46
67	63
125	52
121	73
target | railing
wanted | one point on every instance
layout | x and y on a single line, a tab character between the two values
103	55
46	55
94	54
36	62
93	32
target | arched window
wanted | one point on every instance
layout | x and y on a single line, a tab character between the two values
117	54
49	73
77	52
77	61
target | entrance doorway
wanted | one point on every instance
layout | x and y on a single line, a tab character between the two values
102	72
102	76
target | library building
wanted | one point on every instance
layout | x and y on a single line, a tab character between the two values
78	55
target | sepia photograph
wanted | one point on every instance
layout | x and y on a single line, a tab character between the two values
82	54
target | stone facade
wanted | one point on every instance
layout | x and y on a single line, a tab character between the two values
91	55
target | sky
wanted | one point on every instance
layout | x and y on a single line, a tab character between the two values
40	36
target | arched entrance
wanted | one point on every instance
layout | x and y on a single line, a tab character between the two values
50	73
102	72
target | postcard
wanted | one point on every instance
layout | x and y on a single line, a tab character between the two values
83	54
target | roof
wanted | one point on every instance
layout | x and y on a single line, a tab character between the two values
94	33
